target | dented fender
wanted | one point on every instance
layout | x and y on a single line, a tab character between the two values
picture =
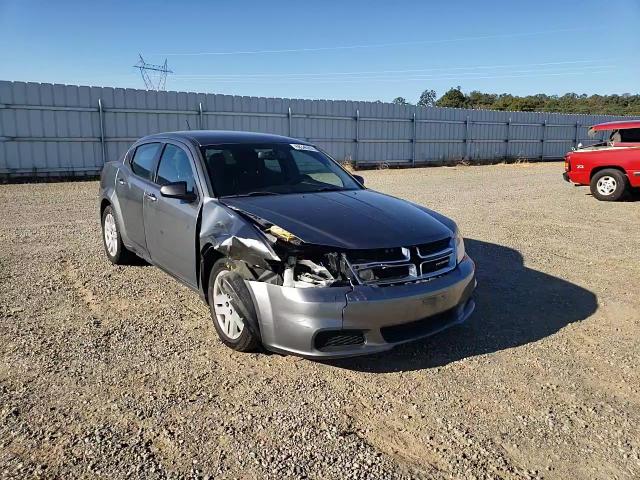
233	236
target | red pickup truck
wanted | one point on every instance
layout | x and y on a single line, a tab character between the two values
612	167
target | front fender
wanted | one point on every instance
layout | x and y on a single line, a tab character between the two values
234	236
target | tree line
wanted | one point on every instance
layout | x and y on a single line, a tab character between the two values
624	104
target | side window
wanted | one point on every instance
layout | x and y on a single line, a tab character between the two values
175	166
142	161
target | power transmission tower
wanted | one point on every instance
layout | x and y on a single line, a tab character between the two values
153	76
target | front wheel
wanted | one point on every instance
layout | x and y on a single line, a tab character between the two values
609	185
232	310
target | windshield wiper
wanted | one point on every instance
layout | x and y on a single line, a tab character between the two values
327	189
254	194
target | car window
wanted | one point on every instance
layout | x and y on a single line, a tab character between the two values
270	160
309	165
142	161
175	166
279	168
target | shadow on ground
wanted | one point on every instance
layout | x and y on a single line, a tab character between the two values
632	196
515	305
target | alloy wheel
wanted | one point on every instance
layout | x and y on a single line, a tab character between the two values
228	318
110	234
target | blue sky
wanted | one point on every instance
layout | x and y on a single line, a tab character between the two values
361	50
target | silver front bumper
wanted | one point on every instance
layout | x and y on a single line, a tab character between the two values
290	318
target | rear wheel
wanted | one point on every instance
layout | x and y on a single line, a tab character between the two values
232	310
609	185
116	252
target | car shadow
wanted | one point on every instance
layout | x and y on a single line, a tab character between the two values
632	196
515	305
137	261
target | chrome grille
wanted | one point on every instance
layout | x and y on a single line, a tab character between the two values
402	264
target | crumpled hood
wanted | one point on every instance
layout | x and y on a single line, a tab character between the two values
354	219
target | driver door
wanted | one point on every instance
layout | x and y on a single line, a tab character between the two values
170	223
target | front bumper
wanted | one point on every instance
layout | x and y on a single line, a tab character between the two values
291	318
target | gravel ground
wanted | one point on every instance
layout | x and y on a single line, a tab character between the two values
111	372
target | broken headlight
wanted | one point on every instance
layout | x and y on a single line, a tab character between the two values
460	253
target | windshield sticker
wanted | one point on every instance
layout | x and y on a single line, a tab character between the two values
309	148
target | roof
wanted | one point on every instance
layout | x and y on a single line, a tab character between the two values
212	137
617	125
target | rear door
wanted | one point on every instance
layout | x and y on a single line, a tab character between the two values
170	223
132	182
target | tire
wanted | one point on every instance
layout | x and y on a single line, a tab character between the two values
116	252
609	185
231	305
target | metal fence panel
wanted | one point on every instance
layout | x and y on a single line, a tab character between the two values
52	129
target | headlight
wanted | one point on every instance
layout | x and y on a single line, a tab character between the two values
460	253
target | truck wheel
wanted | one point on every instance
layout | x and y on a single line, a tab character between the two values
116	252
232	310
609	185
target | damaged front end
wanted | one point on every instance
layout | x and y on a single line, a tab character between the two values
325	302
266	252
300	265
261	251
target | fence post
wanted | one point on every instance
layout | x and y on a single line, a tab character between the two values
577	139
413	153
289	120
467	137
506	154
357	136
102	146
201	116
544	135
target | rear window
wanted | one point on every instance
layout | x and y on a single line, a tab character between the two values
143	160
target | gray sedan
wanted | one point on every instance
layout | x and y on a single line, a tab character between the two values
290	251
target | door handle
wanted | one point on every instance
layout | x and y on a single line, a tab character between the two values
150	196
121	181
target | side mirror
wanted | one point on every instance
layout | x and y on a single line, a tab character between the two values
177	190
359	178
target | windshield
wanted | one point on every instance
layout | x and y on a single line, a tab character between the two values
268	169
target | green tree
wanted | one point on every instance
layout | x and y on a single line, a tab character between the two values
453	98
427	98
481	100
622	104
400	101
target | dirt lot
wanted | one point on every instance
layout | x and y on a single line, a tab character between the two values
109	372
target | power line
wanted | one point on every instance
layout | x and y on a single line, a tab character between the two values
379	45
603	69
307	74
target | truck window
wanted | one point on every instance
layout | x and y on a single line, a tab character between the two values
630	135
